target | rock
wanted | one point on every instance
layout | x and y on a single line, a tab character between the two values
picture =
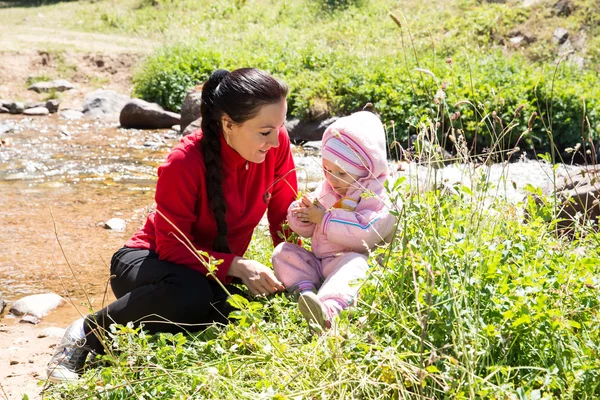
59	85
190	109
37	305
2	303
197	124
30	319
104	103
13	362
34	105
7	128
17	107
176	128
115	224
4	110
516	39
576	60
36	111
561	35
52	332
140	114
307	131
579	199
52	105
563	8
71	114
529	3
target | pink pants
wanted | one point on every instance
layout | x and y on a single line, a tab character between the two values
336	277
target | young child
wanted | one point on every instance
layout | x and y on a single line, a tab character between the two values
346	217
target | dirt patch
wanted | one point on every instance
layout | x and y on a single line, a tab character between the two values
29	250
88	71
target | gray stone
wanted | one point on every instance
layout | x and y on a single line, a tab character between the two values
36	111
140	114
115	224
561	35
59	85
52	105
17	107
4	110
307	131
103	103
516	39
563	8
7	128
52	332
37	305
197	124
34	105
71	114
190	109
29	319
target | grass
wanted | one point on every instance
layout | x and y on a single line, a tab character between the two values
468	302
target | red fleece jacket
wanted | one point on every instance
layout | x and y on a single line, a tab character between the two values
181	196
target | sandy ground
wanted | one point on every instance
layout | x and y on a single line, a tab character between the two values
95	61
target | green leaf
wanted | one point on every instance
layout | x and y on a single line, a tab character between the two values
573	324
523	319
238	301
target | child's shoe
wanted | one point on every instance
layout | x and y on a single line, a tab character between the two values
314	311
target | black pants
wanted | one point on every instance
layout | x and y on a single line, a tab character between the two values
165	297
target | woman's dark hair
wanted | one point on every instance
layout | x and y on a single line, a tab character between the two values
240	94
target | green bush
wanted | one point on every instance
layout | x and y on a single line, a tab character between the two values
485	90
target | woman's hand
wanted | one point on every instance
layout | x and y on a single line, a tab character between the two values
259	279
309	211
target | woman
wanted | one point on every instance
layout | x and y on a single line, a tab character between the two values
214	187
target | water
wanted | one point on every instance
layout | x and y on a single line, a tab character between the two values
63	179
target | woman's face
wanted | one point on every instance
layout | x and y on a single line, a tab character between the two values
253	138
339	179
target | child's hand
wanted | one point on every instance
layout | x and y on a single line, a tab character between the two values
309	211
306	201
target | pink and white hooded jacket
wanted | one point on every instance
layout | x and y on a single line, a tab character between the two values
352	229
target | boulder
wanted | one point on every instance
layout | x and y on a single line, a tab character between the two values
197	124
52	105
17	107
4	110
579	199
190	109
563	8
140	114
37	305
561	35
104	103
59	85
71	114
307	131
36	111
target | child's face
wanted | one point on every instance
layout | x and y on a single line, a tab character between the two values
339	179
